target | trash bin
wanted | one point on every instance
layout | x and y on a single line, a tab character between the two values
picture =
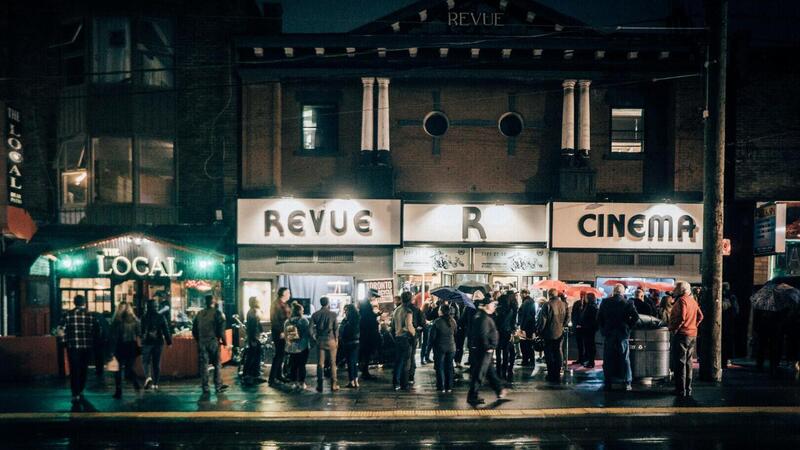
649	353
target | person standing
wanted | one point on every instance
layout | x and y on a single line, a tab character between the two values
642	307
684	320
430	312
79	331
252	366
730	310
464	321
664	310
208	330
506	327
349	337
588	324
155	332
419	326
369	331
404	333
616	317
125	333
483	337
100	342
297	332
278	315
553	318
576	313
527	323
325	329
443	342
165	307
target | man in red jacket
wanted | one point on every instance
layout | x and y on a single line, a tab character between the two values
683	322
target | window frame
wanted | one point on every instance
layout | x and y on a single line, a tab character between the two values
334	149
610	154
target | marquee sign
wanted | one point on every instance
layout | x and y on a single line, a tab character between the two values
275	221
492	223
14	151
628	226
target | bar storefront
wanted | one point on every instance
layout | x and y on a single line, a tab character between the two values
450	244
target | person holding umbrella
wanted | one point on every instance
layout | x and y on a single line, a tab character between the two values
483	338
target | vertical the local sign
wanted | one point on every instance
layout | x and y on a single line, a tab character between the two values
14	151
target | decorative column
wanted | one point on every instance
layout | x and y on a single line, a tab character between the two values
382	157
367	121
568	123
584	123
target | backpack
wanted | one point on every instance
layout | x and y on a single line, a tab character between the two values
291	333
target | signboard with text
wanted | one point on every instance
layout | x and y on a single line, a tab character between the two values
384	286
320	222
628	226
769	229
476	223
432	259
511	260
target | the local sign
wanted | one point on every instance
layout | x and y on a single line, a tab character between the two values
492	223
628	226
141	266
318	222
14	151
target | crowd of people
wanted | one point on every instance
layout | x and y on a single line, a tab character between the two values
489	327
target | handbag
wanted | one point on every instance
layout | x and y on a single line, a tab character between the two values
538	344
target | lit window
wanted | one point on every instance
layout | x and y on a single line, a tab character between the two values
627	130
156	47
320	127
111	50
113	170
156	172
74	175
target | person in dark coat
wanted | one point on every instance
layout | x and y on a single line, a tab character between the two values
553	318
349	338
125	331
278	315
616	317
730	310
155	332
403	331
325	330
443	341
430	312
370	336
642	306
588	325
419	326
575	314
483	337
464	321
100	344
252	363
506	318
527	324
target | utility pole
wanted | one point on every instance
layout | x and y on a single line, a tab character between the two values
713	193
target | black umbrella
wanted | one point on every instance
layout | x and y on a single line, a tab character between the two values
454	295
471	286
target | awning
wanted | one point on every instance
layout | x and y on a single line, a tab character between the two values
19	224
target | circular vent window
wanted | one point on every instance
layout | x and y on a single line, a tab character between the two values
436	123
510	124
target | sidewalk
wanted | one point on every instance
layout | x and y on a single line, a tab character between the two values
744	397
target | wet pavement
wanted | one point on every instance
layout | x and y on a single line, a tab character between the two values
582	388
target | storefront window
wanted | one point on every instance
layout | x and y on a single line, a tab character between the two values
156	172
111	50
97	292
113	170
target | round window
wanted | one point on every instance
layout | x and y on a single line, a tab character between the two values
436	123
510	124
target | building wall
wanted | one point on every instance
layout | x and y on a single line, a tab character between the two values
261	263
583	267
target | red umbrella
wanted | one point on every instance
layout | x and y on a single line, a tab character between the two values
661	286
576	291
626	283
560	286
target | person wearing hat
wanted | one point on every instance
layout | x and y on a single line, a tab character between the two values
483	339
370	333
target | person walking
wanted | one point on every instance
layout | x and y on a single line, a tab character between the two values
79	330
155	332
588	324
684	320
252	366
100	343
576	314
483	337
443	341
616	317
278	315
404	333
527	324
125	335
297	333
553	318
324	330
208	329
369	331
349	336
506	318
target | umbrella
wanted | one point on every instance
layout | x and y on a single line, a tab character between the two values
626	283
453	294
576	291
660	286
764	299
786	296
470	287
560	286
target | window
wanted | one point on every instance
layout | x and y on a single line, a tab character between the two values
74	176
627	130
111	50
156	48
72	43
510	124
435	124
156	172
113	170
320	128
96	291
